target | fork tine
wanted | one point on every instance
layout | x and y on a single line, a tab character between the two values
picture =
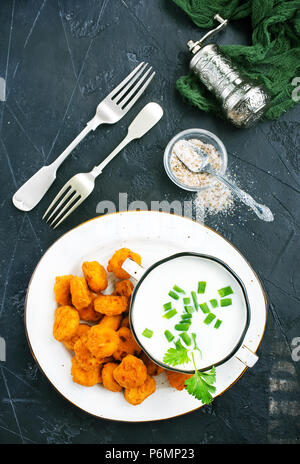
134	89
66	197
127	87
80	200
70	201
139	93
124	81
62	190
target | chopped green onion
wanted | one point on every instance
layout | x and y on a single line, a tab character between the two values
173	295
186	316
218	323
226	302
147	333
182	327
185	321
201	287
195	344
169	336
170	314
196	304
167	306
186	300
214	303
189	309
209	318
184	336
204	308
178	289
225	291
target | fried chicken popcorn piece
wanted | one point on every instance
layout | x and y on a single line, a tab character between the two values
95	275
152	368
137	395
111	305
116	261
85	358
66	322
131	372
89	314
110	322
102	342
125	322
176	380
80	332
81	296
83	377
62	290
108	379
124	288
127	344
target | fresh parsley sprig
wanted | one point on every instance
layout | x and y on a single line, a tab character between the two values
200	384
177	356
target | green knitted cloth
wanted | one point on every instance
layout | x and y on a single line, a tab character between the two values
273	58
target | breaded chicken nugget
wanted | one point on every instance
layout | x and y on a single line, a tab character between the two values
176	380
127	344
137	395
83	377
108	379
152	368
125	322
66	322
81	296
95	275
110	322
85	358
110	305
62	289
80	332
102	342
124	288
88	314
131	372
116	261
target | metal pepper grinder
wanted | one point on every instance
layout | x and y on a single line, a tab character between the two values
242	100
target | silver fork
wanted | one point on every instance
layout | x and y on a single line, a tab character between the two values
80	186
109	111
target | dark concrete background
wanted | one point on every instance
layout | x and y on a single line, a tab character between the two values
59	59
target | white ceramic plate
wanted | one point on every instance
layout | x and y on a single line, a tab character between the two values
154	236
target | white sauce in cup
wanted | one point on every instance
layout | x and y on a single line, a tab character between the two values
186	272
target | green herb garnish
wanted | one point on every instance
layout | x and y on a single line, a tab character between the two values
182	327
195	344
173	295
167	306
147	333
169	336
218	323
184	336
196	304
204	308
200	384
201	287
176	356
225	291
178	289
186	316
209	318
170	314
186	301
214	303
189	309
226	302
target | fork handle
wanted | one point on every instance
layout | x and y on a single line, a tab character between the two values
96	171
31	193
